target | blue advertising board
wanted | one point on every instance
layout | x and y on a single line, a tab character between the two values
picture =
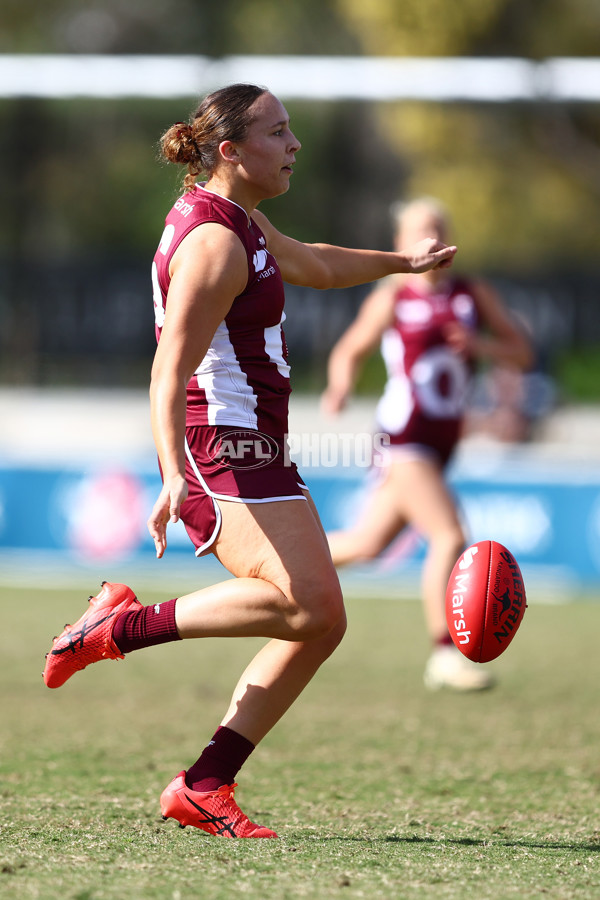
547	513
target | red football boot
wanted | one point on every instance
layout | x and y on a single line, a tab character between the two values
215	812
90	638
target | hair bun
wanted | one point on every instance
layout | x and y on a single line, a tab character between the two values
183	129
178	144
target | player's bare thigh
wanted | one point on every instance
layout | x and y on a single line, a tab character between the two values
380	520
422	496
281	542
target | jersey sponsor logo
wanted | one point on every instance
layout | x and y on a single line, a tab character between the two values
260	260
184	207
260	264
414	312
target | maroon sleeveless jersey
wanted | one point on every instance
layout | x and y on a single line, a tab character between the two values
244	378
426	392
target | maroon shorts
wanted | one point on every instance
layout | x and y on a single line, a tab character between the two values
435	438
229	463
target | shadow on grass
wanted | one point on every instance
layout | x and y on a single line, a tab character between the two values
495	842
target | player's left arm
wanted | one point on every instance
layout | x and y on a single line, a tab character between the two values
499	338
325	266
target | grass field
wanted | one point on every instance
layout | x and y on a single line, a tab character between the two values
376	787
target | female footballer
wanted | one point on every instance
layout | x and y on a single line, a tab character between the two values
431	328
219	399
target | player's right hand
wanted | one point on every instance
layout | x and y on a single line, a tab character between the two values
430	254
166	509
332	401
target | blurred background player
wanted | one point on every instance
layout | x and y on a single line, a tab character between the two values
432	328
221	371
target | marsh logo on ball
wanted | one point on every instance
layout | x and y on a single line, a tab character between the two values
467	557
462	635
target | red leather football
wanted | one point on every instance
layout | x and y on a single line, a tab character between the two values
485	601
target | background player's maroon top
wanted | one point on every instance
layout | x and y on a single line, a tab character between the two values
426	392
244	378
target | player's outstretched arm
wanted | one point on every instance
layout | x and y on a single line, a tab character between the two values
500	339
325	266
359	340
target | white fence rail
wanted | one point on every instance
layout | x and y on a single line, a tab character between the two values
388	79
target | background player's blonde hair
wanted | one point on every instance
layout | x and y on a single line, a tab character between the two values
401	208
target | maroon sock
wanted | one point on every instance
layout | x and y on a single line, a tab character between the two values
220	761
146	627
444	641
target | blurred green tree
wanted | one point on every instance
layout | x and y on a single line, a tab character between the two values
80	178
520	178
529	28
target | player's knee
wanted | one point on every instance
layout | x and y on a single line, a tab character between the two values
360	547
450	541
320	613
319	622
459	539
369	551
334	636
